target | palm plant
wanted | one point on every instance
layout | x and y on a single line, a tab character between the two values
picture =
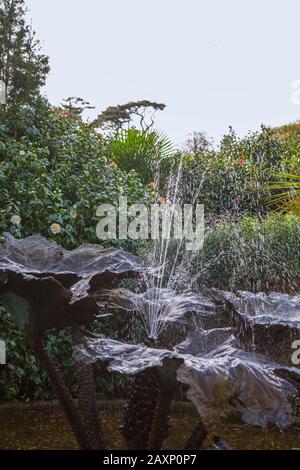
287	193
146	152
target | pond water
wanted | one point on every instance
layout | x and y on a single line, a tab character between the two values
49	430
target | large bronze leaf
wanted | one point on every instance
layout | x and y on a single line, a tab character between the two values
223	379
39	304
45	286
43	258
268	323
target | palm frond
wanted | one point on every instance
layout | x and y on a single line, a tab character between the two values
287	197
141	151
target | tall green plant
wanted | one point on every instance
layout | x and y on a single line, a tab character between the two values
286	194
148	153
23	68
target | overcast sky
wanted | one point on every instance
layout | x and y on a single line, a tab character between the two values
214	63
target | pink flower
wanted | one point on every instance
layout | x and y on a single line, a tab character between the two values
241	162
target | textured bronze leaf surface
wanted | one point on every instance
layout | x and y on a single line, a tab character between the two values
45	286
219	378
40	257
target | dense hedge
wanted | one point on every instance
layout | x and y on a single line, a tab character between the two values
59	174
233	179
253	254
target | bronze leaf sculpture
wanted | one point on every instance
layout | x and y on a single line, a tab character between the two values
44	286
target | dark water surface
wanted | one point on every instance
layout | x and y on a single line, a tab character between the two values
49	430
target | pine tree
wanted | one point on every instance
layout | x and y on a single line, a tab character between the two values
23	68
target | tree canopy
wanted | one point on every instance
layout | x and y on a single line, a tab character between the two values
120	116
23	68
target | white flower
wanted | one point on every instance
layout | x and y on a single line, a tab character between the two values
22	153
15	220
73	213
55	228
113	166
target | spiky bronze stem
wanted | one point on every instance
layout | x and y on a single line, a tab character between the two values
87	402
139	411
197	437
63	394
160	423
87	399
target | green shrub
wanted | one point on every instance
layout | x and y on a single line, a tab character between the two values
233	179
252	254
61	181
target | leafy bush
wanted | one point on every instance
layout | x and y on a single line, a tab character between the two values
233	179
253	254
61	179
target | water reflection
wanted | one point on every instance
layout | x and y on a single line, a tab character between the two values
50	430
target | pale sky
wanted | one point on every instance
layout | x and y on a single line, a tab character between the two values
214	63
